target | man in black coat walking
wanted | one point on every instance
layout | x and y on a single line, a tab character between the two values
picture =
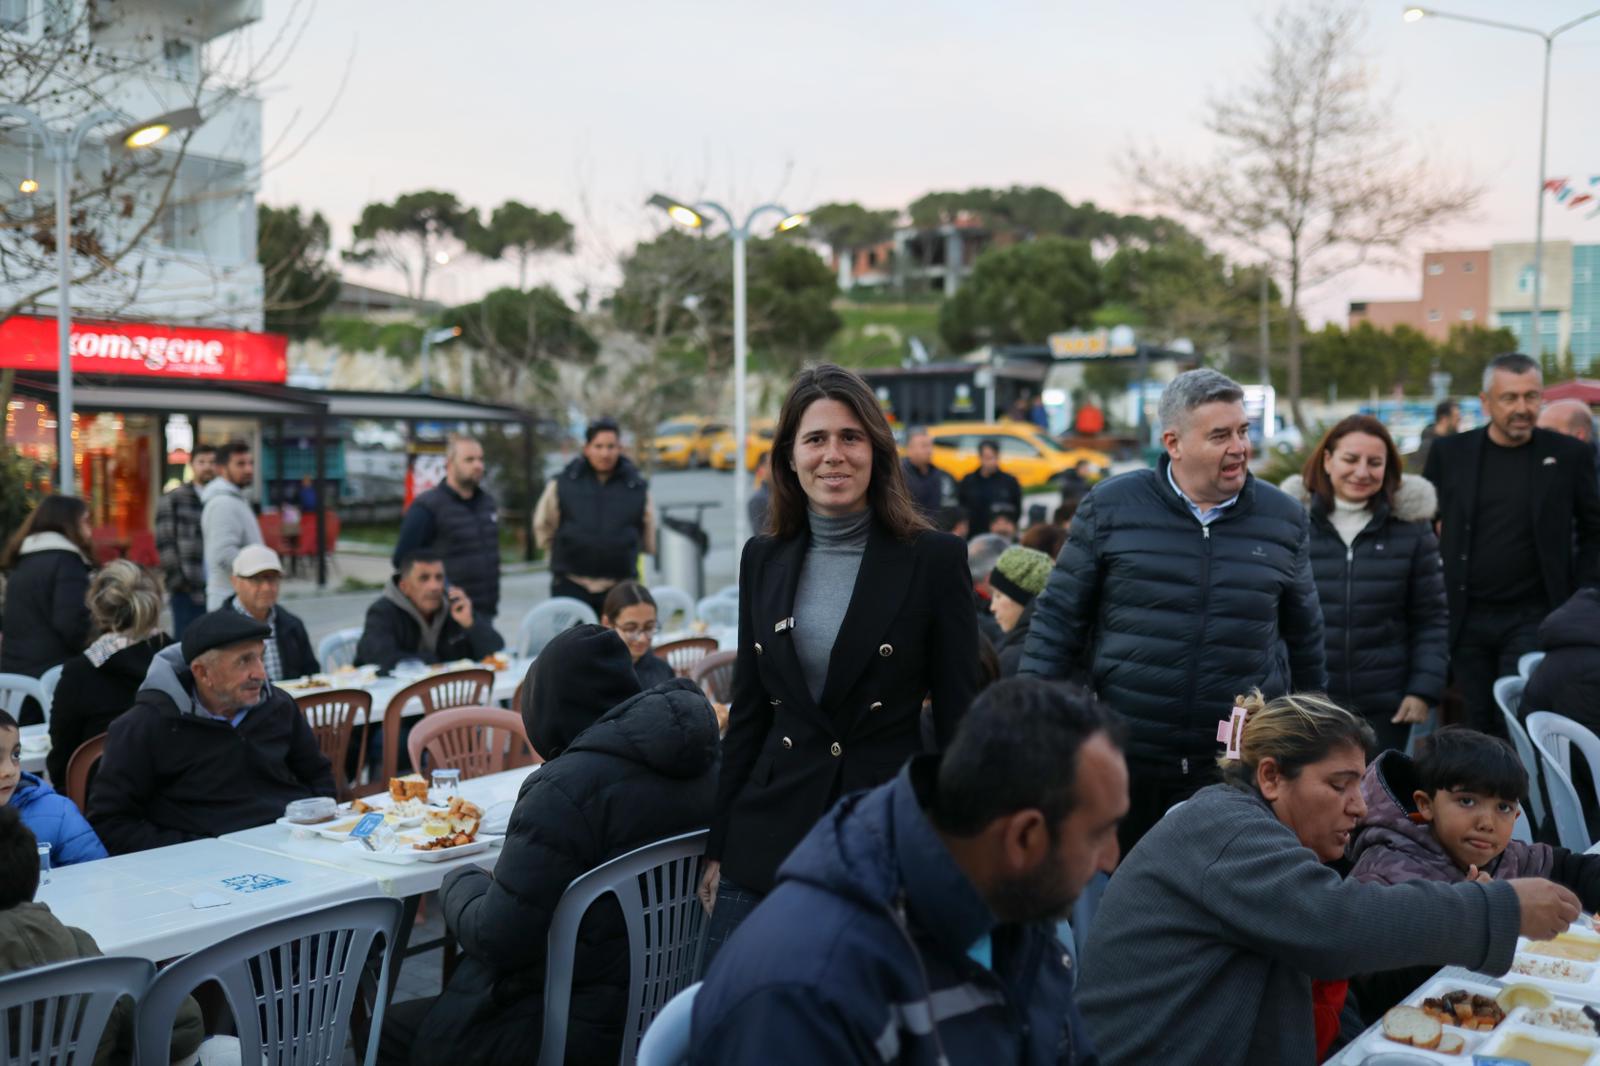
257	577
987	487
209	746
458	521
1179	589
1519	531
623	769
411	620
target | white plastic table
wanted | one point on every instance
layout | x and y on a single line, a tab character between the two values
144	904
384	689
402	881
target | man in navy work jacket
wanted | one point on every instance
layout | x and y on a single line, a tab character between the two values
915	924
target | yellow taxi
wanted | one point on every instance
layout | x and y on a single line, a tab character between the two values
758	440
1027	453
683	442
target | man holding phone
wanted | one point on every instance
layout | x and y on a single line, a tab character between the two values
423	617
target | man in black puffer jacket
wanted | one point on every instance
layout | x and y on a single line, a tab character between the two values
624	768
1178	589
1567	679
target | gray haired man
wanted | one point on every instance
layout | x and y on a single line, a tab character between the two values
1178	589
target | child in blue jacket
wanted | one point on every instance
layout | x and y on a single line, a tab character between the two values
54	819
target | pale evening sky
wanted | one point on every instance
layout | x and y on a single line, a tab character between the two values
589	108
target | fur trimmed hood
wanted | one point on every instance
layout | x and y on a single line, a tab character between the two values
1416	500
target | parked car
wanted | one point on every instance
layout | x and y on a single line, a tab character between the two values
757	440
684	442
1028	454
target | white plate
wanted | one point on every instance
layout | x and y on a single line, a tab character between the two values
405	856
345	820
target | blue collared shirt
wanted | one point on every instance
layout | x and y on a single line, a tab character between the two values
1206	517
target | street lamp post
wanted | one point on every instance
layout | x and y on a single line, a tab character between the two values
62	148
1416	14
695	218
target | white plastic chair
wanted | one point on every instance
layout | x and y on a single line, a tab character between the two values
728	592
57	1014
718	612
1508	697
48	681
666	1042
1554	737
1526	664
15	690
671	602
300	975
655	886
338	648
540	625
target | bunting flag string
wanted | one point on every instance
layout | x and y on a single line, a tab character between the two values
1574	192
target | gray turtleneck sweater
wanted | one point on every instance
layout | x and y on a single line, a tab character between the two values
827	580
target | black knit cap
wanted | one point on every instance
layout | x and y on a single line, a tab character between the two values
579	676
219	629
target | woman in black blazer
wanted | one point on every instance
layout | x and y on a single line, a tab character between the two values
851	613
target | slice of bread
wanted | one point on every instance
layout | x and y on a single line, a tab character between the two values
1410	1025
1451	1044
412	786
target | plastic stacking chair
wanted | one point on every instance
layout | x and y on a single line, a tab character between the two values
666	1042
1526	664
15	690
1508	697
671	602
80	771
655	887
683	654
540	625
56	1014
714	675
339	648
474	740
718	612
1554	737
291	985
48	682
728	592
456	688
333	716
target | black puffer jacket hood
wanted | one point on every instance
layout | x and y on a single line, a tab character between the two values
1383	604
665	728
579	676
1567	682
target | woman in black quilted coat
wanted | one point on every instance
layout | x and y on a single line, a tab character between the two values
1376	563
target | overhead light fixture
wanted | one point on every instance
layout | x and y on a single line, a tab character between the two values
793	221
1415	14
28	186
679	212
145	134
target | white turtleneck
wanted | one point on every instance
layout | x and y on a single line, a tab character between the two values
1349	518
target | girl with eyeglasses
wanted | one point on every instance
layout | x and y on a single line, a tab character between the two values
631	611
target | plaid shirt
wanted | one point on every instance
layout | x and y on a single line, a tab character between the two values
269	655
178	539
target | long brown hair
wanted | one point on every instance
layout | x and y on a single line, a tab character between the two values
1316	479
55	514
886	491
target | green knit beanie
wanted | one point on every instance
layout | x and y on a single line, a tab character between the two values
1021	573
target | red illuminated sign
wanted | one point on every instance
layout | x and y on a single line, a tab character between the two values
147	350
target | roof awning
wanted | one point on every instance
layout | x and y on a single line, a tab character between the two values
414	407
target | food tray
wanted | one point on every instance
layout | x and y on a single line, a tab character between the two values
1374	1042
405	855
1584	982
1503	1042
346	819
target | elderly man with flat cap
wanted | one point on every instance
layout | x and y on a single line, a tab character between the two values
208	747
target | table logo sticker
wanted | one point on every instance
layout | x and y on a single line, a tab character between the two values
253	882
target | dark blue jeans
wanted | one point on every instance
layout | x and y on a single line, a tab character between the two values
184	611
734	905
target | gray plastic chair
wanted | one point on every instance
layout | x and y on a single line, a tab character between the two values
57	1014
718	612
339	648
14	691
670	602
655	886
666	1042
1526	664
1508	697
1555	736
48	682
291	985
540	625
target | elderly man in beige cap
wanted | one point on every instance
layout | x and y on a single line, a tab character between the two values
257	574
